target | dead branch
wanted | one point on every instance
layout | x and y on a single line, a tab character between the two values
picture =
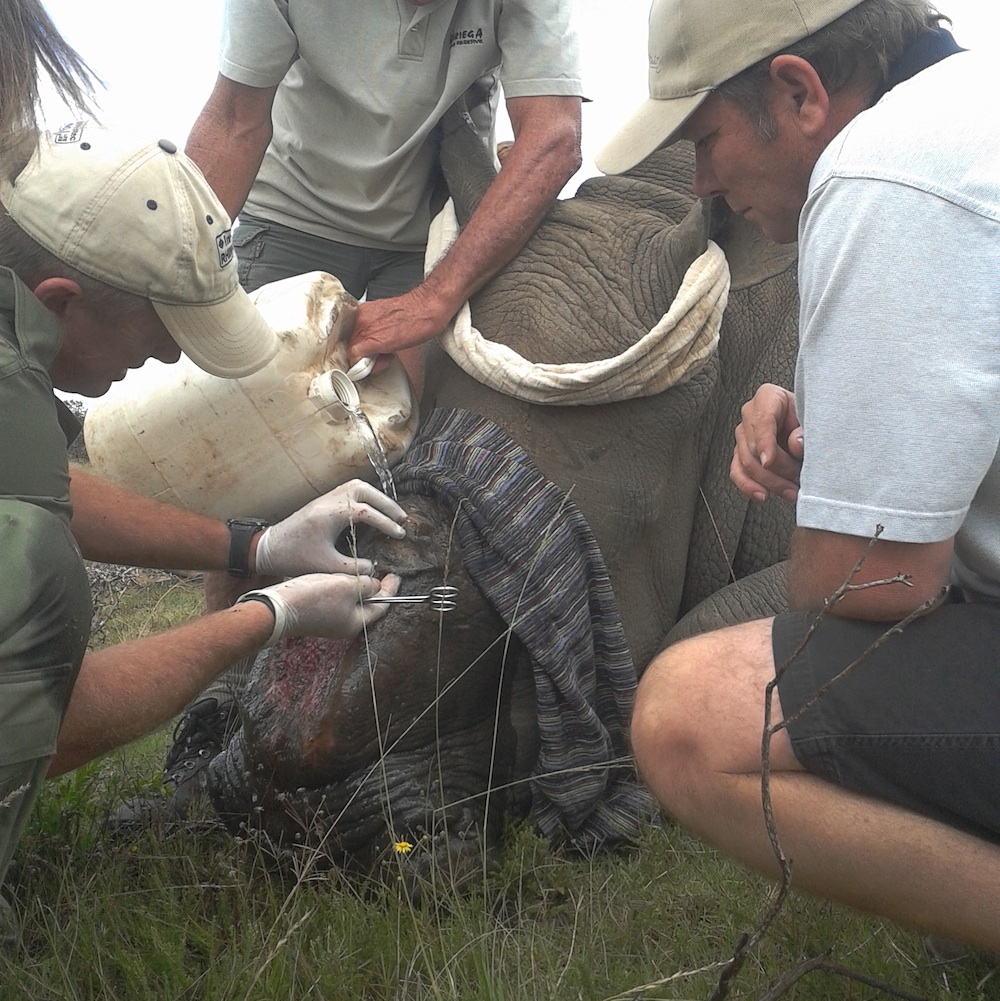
637	993
891	631
789	979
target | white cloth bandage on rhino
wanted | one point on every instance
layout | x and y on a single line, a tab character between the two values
670	353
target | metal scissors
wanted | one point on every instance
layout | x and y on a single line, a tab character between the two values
440	599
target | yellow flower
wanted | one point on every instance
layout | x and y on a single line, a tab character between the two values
402	847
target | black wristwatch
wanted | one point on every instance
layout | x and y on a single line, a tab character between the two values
241	531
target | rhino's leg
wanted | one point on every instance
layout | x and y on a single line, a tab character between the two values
757	596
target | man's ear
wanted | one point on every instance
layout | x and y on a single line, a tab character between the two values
797	90
59	295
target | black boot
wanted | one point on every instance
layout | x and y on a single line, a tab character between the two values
201	733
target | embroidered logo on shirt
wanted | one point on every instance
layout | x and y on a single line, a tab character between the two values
468	36
224	245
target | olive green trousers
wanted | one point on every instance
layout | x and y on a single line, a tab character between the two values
45	616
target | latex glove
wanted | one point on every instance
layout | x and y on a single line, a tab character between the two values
306	541
323	604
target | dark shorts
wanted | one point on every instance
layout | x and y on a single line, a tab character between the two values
268	252
916	722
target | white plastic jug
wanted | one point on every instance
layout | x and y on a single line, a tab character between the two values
259	446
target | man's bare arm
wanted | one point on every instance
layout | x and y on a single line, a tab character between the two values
126	691
113	525
545	154
822	561
229	138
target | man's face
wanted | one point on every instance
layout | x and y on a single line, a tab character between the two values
98	350
765	181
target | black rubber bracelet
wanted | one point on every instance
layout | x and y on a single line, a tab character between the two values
264	599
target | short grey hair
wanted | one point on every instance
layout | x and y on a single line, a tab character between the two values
857	49
32	263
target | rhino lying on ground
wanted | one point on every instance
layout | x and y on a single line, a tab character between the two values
529	674
457	742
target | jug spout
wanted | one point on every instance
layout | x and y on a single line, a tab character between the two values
334	395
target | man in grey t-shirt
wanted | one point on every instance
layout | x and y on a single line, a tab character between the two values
321	132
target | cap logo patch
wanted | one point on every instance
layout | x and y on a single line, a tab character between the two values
224	245
71	132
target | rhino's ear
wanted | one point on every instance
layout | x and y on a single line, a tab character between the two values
467	165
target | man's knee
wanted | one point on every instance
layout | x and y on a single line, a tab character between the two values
699	710
668	718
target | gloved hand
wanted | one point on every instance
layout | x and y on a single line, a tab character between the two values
323	604
306	541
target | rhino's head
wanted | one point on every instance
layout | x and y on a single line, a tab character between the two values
350	748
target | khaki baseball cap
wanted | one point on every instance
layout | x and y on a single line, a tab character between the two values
696	45
140	216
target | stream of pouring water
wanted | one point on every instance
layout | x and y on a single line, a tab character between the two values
376	454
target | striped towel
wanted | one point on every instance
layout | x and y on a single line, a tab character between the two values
530	551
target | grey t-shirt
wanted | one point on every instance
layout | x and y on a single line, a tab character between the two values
898	376
363	86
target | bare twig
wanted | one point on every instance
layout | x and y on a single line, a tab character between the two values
789	979
636	993
891	631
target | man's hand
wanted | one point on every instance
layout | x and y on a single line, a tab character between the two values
306	542
330	605
386	326
769	446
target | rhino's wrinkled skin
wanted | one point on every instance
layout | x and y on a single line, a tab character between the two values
650	475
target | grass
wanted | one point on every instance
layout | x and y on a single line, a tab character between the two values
196	914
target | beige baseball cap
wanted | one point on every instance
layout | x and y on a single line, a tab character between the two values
696	45
140	216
